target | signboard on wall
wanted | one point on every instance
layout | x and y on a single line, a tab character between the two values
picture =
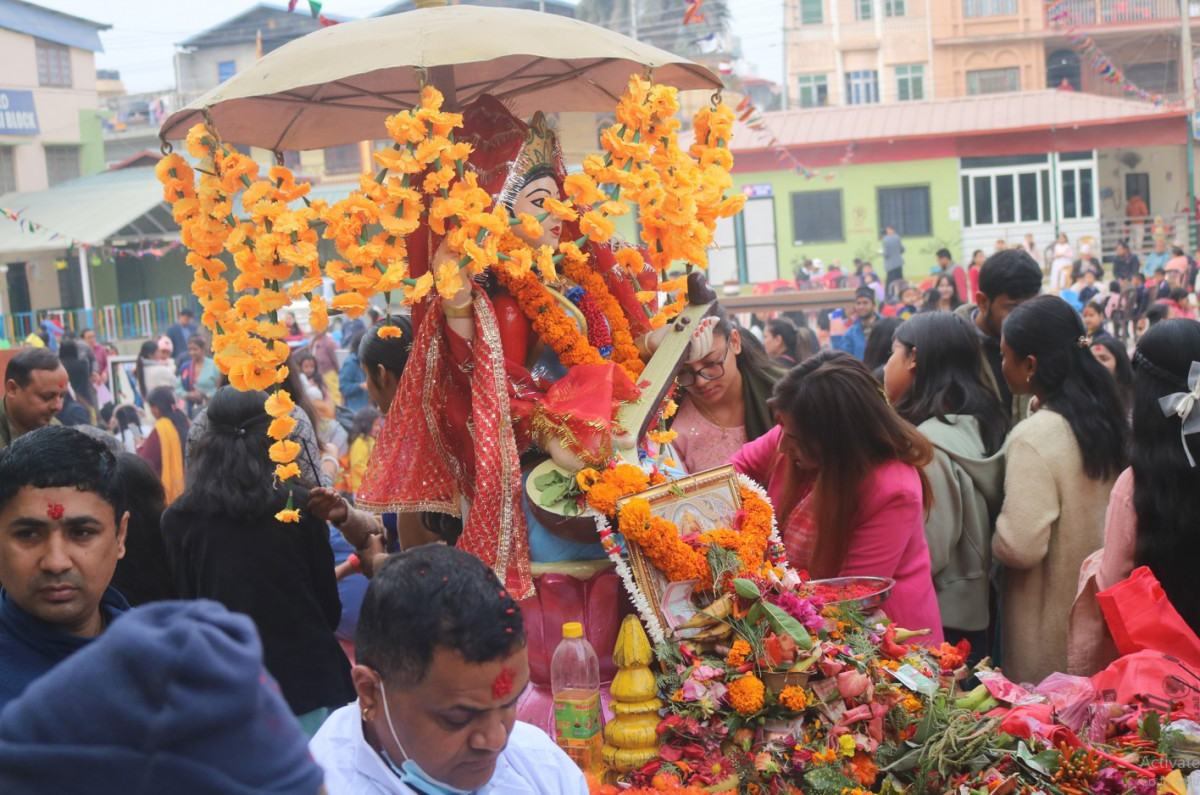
759	190
18	116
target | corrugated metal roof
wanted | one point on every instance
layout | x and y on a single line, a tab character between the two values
92	210
51	25
275	23
991	113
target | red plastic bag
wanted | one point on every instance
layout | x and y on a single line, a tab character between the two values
1150	679
1140	617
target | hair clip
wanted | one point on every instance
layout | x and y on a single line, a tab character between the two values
1181	404
1085	341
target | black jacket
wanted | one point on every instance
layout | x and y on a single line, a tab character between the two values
281	575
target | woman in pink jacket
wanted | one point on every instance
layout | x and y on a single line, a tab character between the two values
845	474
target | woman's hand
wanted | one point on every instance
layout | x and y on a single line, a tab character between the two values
371	555
328	506
702	340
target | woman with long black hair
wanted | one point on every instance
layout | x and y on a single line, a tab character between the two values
225	543
1154	509
1062	464
845	474
934	378
165	448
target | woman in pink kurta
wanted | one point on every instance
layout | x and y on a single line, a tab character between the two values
844	473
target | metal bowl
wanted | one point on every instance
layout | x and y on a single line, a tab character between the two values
881	589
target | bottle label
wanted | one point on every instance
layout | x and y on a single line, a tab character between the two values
577	719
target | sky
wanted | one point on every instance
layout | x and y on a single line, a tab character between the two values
141	42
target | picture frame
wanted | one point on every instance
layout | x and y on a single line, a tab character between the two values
694	504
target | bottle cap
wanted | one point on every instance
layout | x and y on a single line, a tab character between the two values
572	629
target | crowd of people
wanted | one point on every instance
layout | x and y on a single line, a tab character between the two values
1000	455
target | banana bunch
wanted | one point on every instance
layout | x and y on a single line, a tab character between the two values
977	700
710	624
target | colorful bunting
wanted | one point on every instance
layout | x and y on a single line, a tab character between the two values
749	114
1059	14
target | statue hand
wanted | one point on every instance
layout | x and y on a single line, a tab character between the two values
567	460
462	298
702	340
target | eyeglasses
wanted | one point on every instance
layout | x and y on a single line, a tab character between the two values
709	372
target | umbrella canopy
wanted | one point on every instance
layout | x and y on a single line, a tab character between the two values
337	85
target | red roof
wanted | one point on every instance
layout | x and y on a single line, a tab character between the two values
961	116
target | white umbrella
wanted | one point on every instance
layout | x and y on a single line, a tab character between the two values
338	84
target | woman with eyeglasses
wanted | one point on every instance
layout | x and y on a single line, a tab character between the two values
724	399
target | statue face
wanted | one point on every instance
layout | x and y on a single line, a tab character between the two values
531	200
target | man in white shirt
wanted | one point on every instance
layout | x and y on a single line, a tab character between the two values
442	662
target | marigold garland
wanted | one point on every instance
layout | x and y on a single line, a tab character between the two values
678	560
746	694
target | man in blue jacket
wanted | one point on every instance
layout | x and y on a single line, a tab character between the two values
62	530
854	340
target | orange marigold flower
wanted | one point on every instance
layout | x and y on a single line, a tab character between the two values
318	315
290	515
287	471
390	332
250	375
415	293
561	209
603	498
738	653
597	227
582	189
586	478
530	226
281	427
280	404
449	281
662	437
284	451
794	698
746	694
352	304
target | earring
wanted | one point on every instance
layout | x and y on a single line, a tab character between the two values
366	716
1028	378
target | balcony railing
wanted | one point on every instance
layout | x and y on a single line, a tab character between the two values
112	322
1112	12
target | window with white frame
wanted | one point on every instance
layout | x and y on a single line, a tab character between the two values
910	82
989	8
993	81
864	9
53	64
62	164
893	8
862	88
1016	190
814	91
8	170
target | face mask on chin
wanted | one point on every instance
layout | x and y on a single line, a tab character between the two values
409	772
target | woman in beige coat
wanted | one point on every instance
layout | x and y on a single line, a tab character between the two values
1062	463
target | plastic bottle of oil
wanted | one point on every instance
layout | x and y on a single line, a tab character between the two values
575	682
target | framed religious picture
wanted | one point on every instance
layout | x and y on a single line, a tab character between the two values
696	504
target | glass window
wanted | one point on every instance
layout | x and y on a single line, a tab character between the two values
893	8
811	12
226	70
1086	208
863	9
53	64
814	91
342	159
994	81
1006	199
1028	189
8	171
62	164
989	8
1070	208
906	210
862	88
910	82
983	200
817	217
